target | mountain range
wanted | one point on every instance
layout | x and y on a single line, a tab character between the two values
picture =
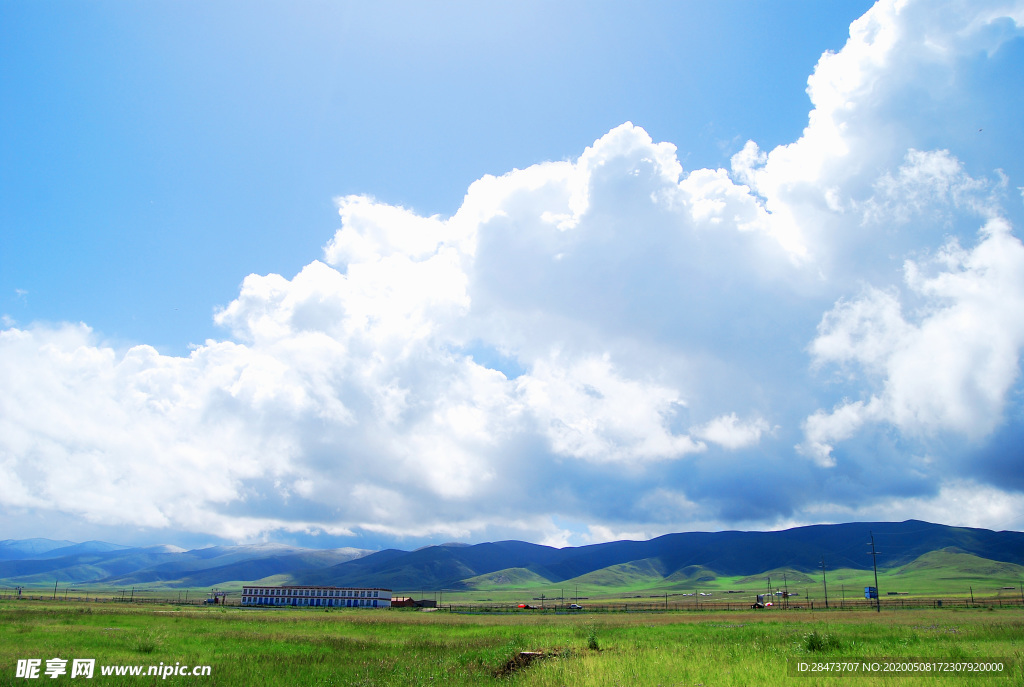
678	557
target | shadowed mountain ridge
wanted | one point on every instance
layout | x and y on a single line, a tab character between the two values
459	566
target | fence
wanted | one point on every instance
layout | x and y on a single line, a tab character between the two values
105	599
890	604
708	606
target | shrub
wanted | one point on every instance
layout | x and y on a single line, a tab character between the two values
145	642
819	641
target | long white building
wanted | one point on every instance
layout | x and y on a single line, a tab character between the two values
301	595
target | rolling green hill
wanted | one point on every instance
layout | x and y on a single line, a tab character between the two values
952	563
636	574
510	578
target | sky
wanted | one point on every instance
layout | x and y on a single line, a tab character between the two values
392	274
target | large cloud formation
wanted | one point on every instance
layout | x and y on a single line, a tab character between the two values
596	348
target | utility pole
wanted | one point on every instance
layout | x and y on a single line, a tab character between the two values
874	562
54	589
823	580
785	594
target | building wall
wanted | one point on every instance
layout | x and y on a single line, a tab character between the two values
328	597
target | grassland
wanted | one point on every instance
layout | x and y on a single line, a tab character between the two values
407	647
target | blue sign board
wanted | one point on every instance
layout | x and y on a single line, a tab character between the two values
870	593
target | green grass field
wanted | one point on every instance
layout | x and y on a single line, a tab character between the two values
408	647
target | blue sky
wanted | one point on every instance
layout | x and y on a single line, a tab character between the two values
600	271
158	153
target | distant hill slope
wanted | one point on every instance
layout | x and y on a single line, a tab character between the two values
89	547
952	563
684	557
114	565
17	549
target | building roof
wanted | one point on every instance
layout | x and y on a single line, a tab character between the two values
311	586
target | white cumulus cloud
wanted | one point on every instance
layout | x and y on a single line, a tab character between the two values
950	370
